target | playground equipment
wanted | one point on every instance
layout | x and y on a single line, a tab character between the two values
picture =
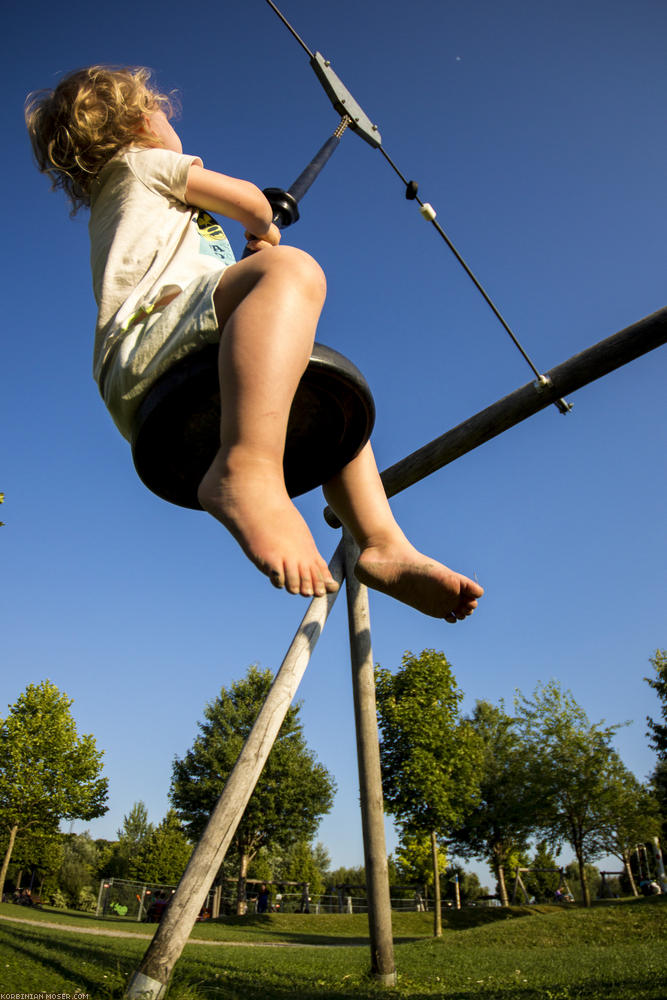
176	430
519	884
605	890
153	973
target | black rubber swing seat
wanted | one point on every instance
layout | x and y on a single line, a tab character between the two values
177	427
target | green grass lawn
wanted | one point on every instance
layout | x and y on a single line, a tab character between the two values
613	951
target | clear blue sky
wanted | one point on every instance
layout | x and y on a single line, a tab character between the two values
538	132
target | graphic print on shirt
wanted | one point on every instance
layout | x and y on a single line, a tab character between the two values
212	239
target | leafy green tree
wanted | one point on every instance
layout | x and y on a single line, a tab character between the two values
544	877
301	862
498	827
414	859
657	733
658	730
470	887
47	771
264	865
78	869
293	793
37	853
572	763
430	756
659	789
164	852
588	886
136	829
321	859
348	876
632	815
105	852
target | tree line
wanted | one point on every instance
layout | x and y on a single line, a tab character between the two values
482	786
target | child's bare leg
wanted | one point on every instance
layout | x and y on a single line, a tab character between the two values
267	307
388	561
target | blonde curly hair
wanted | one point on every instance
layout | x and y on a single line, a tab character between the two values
90	115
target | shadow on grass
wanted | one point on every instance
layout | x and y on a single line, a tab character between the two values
258	929
101	968
347	930
238	985
69	960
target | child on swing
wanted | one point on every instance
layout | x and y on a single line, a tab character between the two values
163	289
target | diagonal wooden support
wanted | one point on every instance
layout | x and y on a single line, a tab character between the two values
150	980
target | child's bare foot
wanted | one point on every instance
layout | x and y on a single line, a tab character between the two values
252	503
399	570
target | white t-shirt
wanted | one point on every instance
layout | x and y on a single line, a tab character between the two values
146	243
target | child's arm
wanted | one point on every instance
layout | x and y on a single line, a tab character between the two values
234	198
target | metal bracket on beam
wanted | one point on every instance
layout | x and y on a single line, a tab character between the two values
543	383
344	102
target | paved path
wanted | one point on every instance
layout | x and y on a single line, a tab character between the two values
100	932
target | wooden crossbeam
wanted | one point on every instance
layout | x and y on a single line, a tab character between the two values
581	369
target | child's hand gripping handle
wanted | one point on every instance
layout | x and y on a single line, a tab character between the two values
285	212
284	203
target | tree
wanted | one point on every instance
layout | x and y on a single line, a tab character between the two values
78	868
590	886
123	862
659	789
302	862
347	877
572	763
658	730
470	887
164	852
36	857
414	859
430	756
544	877
292	794
47	771
657	733
497	829
631	815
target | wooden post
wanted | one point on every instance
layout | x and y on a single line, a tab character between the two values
215	906
149	982
437	901
457	892
370	776
573	374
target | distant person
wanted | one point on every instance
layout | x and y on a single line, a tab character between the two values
157	907
650	887
263	900
166	283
